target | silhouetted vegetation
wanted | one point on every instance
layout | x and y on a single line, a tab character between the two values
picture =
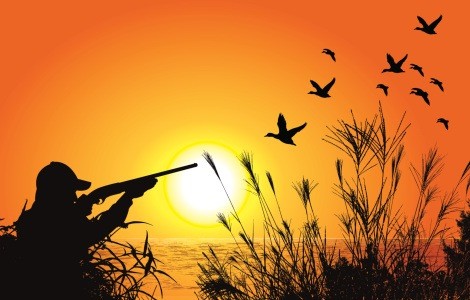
114	270
458	257
387	251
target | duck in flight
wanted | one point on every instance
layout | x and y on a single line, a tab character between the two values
417	68
285	135
330	53
395	67
444	121
322	92
423	94
428	28
438	83
383	87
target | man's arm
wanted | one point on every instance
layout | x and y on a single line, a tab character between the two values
115	216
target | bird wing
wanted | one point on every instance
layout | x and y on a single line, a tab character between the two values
420	70
315	85
435	22
281	123
425	98
329	85
401	61
390	60
422	21
383	88
294	130
330	53
444	121
438	83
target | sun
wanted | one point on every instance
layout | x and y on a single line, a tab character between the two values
196	195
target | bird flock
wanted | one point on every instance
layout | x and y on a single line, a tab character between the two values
396	67
286	135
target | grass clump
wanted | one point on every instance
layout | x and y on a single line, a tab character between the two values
113	271
458	256
388	251
280	265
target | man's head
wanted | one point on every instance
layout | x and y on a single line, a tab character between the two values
58	179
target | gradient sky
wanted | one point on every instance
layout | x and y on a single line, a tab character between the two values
116	88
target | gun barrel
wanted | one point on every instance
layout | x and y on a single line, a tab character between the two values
174	170
103	192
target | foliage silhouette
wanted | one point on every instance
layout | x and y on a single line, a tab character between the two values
55	250
387	251
115	270
458	257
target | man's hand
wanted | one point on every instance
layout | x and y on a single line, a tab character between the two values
141	186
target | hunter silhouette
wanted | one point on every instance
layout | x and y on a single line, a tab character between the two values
55	234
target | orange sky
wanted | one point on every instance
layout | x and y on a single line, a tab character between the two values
116	88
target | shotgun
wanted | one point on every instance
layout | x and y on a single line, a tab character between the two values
98	195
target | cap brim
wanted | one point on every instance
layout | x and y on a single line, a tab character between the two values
82	185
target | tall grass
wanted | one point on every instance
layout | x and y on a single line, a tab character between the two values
281	265
114	270
458	252
387	249
126	271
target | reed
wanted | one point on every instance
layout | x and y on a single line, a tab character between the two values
388	250
279	266
127	274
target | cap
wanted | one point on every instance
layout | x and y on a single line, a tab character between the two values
59	174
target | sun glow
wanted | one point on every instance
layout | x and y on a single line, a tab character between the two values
196	195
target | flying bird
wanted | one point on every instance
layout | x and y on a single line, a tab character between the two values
417	68
285	135
423	94
395	67
438	83
322	92
444	121
383	87
428	28
330	53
